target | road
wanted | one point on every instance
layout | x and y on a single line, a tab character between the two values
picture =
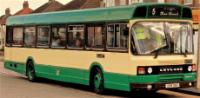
13	85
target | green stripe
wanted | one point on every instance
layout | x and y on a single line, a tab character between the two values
111	80
20	68
63	74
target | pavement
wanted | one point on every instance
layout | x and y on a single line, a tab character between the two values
192	91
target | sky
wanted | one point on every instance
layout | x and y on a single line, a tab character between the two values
16	5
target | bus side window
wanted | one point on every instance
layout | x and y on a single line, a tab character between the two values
29	39
94	37
43	36
76	36
9	36
58	37
17	36
117	36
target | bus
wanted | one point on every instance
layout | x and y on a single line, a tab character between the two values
140	47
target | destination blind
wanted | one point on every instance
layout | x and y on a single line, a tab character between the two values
164	12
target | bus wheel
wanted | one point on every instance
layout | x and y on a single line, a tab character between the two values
31	71
98	81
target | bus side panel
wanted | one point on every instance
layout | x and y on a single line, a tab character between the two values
117	69
15	66
117	81
62	74
11	64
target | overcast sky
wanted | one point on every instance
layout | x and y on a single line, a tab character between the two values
16	5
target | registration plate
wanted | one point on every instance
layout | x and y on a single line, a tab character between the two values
172	85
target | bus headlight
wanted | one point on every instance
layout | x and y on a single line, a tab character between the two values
149	70
189	68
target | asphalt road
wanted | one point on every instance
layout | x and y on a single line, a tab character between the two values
13	85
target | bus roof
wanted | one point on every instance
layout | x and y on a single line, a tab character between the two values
121	13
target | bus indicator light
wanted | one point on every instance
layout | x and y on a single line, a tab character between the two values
194	67
141	70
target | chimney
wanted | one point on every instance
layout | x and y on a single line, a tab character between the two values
51	0
7	11
25	4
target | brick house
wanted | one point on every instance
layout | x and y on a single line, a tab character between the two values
51	5
190	3
25	9
109	3
3	19
82	4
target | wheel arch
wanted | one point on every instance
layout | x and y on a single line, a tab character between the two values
91	69
27	60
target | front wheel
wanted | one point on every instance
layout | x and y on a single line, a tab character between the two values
98	81
31	72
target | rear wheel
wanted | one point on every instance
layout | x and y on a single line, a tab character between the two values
98	81
31	71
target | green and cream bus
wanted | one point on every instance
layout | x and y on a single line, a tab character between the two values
138	47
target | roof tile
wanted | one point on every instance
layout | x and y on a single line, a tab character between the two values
48	7
81	4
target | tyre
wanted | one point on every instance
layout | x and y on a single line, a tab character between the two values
98	81
31	72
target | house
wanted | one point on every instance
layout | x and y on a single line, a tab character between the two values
82	4
25	9
3	19
51	5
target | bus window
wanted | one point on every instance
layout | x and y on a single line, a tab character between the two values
43	36
94	37
58	37
117	36
29	39
9	36
17	36
76	36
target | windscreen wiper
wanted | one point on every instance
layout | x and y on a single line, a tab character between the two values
158	50
184	53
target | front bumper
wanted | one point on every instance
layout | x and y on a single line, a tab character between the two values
166	85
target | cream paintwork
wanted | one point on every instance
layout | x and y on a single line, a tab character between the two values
122	63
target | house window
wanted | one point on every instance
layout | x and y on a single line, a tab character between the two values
17	36
161	1
188	2
43	36
94	37
117	36
109	3
29	39
122	2
133	1
76	36
173	1
58	37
